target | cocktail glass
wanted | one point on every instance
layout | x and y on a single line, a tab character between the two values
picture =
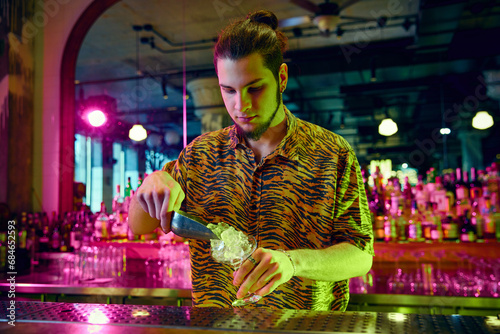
235	256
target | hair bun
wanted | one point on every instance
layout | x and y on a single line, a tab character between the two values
266	17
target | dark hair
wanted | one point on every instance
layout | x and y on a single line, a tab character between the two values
255	34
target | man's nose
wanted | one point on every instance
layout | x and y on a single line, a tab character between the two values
243	102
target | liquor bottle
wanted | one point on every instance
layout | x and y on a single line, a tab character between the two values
31	239
462	195
117	201
88	230
430	185
397	196
438	196
392	202
449	186
377	205
493	184
489	220
475	186
378	228
496	216
414	226
450	229
468	231
128	188
22	231
377	209
76	233
436	229
139	181
45	220
407	194
427	222
3	250
65	231
56	238
477	221
390	229
101	225
365	176
401	226
387	193
421	195
44	240
378	178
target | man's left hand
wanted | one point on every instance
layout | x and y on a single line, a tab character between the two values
272	268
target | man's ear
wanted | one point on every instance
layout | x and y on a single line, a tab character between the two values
283	75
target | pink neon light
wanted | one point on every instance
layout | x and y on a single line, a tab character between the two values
96	118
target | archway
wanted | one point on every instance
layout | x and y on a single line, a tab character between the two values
67	111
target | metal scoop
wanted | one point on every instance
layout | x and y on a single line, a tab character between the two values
188	226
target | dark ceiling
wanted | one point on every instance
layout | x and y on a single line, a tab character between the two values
426	64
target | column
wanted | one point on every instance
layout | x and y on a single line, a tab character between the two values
209	106
472	148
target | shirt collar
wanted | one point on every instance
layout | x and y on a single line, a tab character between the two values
287	147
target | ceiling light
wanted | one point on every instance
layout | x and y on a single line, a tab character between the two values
164	87
407	24
445	131
96	118
482	120
326	23
339	32
137	133
373	75
382	21
387	127
373	68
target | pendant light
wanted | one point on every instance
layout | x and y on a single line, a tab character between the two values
137	133
482	120
387	127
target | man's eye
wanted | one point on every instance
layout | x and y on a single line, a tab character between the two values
229	91
254	89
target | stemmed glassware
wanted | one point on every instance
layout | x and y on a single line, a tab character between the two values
235	256
396	282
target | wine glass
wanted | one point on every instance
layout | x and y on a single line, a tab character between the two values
234	255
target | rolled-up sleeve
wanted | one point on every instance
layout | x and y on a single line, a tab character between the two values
351	214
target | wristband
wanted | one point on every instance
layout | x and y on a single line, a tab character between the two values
290	258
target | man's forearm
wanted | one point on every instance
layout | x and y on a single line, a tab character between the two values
140	221
332	264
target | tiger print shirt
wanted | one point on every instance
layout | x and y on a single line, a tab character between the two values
307	194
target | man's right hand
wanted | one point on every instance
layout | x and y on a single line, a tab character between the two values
158	196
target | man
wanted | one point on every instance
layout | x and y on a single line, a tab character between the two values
296	187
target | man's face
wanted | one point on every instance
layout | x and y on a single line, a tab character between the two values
251	94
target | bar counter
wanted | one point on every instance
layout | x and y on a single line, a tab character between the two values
53	281
35	317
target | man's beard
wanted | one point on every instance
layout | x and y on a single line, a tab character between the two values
259	131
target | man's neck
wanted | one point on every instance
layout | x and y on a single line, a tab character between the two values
268	141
